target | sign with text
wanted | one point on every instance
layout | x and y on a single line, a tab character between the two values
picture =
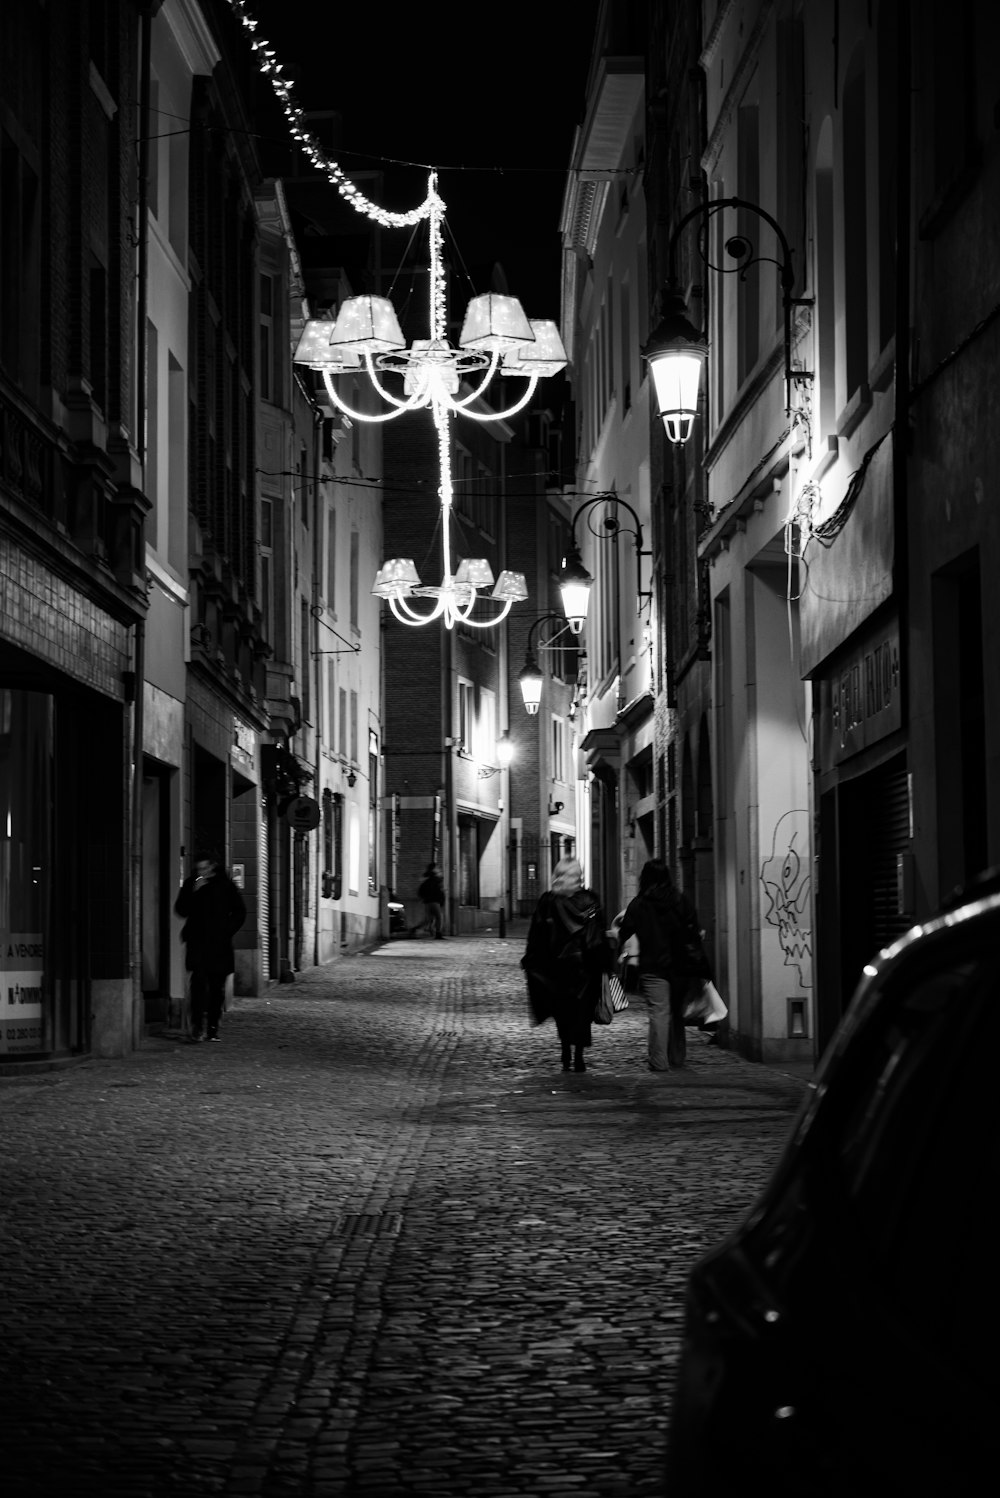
861	700
22	1027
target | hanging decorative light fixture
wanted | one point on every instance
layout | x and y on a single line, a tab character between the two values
496	338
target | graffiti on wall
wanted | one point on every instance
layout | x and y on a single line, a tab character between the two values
787	882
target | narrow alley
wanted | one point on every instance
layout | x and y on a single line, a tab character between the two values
373	1242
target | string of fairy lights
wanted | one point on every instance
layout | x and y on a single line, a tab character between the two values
273	70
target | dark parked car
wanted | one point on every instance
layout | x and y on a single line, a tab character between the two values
843	1340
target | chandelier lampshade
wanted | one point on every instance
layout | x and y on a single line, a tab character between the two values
368	324
476	571
511	586
546	356
315	349
495	323
396	578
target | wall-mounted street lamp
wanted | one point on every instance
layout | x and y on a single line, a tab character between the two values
575	581
676	350
504	751
530	676
504	755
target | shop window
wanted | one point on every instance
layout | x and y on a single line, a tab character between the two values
26	748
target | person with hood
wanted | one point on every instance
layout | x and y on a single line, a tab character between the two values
566	956
671	957
213	911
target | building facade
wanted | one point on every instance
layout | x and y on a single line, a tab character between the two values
604	319
547	794
73	599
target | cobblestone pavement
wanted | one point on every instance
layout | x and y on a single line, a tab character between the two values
374	1242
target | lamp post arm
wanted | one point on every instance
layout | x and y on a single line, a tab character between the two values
559	619
612	527
741	249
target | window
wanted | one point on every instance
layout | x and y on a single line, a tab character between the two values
331	559
304	666
466	715
266	568
99	334
266	337
342	714
856	146
751	227
20	312
331	698
625	336
327	880
354	728
372	812
333	844
559	749
355	559
354	850
485	750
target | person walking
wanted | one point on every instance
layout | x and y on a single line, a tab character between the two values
671	956
431	891
566	956
213	911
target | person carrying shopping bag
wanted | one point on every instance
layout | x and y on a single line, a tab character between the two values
671	957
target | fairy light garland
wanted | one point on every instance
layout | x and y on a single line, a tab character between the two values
271	68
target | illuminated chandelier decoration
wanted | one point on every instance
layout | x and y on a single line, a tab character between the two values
496	337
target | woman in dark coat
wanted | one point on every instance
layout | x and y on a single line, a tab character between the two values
671	957
214	911
566	955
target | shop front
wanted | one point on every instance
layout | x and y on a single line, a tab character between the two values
65	985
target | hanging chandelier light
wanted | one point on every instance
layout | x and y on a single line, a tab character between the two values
496	338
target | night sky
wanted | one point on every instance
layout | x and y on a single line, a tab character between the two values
491	98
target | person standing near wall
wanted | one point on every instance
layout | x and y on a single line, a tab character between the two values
431	891
213	911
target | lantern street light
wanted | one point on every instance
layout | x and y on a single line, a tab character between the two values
676	351
504	751
575	581
530	677
496	338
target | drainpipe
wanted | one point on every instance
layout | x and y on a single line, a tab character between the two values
139	629
317	553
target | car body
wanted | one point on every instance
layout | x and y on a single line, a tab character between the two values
838	1341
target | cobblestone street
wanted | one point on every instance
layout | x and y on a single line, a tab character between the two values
373	1242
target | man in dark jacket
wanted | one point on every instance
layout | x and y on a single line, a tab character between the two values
431	891
214	911
671	957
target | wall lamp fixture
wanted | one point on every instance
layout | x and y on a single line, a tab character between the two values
676	350
530	676
504	755
575	581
